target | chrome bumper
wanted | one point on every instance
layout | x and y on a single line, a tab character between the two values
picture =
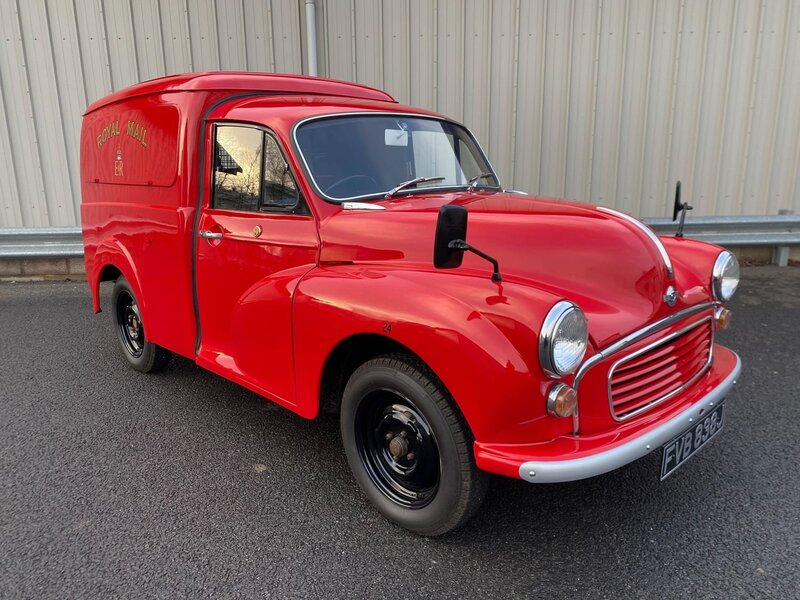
555	471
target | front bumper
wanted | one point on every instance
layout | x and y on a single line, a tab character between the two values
595	455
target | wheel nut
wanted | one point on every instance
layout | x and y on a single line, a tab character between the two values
403	434
411	456
389	436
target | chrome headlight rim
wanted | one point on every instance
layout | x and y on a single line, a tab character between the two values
547	339
721	264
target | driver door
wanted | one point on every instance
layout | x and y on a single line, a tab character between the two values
256	240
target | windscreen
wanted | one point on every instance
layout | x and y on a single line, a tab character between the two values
368	155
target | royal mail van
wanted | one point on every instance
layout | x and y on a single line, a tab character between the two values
330	249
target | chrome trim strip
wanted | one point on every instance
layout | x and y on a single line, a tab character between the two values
637	335
382	113
646	349
648	232
361	206
556	471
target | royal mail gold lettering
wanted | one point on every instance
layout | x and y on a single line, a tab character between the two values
109	131
137	132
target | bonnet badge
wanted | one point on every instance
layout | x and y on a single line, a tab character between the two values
671	296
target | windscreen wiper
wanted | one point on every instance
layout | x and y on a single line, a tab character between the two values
409	183
473	183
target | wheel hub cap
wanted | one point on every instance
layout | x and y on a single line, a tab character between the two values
398	446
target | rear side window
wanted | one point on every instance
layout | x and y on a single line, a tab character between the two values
251	172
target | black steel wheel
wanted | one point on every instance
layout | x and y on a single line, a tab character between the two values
397	448
141	354
129	321
409	447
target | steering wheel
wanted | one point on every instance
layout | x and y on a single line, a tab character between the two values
350	178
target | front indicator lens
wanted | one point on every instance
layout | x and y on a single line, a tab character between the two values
562	400
725	276
723	318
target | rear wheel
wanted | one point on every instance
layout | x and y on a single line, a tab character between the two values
409	447
142	355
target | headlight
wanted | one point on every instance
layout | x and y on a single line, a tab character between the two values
725	277
562	342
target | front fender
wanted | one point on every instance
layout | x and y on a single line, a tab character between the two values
694	263
465	328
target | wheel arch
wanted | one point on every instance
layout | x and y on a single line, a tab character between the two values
350	353
112	261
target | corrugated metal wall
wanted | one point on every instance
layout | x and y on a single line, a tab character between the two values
57	56
608	101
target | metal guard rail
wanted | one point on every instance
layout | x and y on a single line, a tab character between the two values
41	242
768	230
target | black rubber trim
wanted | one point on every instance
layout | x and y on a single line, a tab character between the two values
199	204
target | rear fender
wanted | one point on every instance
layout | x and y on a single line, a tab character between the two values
113	253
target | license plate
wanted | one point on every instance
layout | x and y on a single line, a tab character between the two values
683	447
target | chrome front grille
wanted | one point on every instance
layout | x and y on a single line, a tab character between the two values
660	370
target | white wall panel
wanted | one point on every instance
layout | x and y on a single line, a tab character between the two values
396	31
530	96
450	61
257	36
477	58
285	24
582	95
368	29
502	75
612	101
555	98
421	47
608	101
148	38
175	35
21	122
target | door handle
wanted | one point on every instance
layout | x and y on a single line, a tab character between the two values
210	235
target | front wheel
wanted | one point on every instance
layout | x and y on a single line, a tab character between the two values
142	355
409	447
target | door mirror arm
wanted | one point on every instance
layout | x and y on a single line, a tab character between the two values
463	246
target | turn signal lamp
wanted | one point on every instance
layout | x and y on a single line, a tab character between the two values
562	400
723	318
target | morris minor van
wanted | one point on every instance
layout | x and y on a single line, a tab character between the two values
330	249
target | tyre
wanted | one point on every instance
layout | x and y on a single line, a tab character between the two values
409	447
142	355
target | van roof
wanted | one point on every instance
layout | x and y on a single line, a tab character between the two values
242	81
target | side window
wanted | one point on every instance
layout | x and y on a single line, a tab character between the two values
238	167
279	190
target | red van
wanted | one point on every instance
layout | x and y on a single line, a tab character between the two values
330	249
